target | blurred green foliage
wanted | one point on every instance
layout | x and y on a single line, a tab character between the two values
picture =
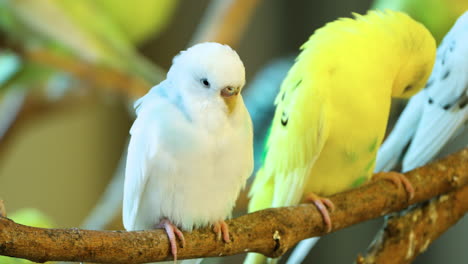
141	20
437	15
101	32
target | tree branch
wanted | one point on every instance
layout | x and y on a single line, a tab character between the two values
409	233
100	76
271	232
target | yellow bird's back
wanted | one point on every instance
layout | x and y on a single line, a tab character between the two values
333	106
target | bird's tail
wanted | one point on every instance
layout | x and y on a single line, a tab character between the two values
261	195
436	127
255	258
185	261
302	250
191	261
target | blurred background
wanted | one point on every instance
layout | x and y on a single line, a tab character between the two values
70	70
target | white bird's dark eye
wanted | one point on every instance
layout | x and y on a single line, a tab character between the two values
205	82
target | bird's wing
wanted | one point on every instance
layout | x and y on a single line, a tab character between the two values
155	115
446	106
299	129
296	138
135	175
436	128
392	149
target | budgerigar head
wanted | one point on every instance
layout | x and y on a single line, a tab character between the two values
416	55
211	71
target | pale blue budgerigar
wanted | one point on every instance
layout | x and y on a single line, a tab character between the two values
191	146
437	113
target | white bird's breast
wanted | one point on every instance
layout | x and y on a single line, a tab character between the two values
198	173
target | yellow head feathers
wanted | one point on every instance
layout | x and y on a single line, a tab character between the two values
417	49
408	42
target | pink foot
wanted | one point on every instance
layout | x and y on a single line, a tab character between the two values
172	231
398	179
323	205
222	229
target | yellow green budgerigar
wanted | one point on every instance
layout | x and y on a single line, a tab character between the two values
333	106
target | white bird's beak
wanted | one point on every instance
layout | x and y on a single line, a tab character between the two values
229	95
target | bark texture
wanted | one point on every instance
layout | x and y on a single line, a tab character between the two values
270	232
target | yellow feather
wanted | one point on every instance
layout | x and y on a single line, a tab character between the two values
332	110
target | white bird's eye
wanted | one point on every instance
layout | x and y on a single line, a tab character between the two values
205	82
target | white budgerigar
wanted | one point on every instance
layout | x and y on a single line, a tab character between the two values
438	113
191	148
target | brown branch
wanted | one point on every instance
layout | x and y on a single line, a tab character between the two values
271	232
225	21
99	75
409	233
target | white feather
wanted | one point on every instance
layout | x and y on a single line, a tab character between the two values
436	128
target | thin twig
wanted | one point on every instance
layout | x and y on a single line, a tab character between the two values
271	232
99	76
225	21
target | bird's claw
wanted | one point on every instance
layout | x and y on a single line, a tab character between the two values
324	205
172	232
398	179
222	230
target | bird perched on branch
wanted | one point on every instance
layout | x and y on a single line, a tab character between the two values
436	114
191	147
332	110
